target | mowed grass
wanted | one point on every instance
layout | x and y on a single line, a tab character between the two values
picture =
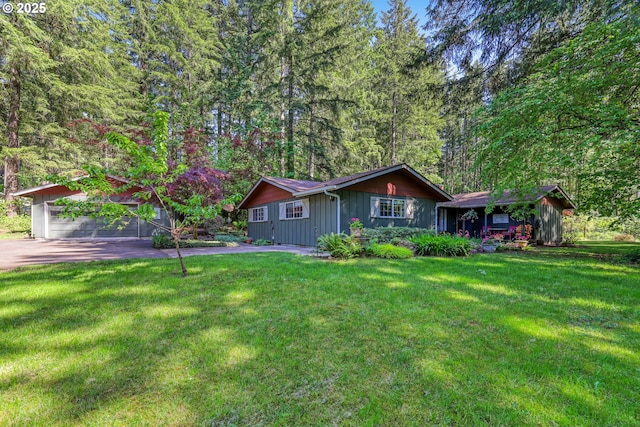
279	339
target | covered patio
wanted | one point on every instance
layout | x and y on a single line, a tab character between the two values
539	215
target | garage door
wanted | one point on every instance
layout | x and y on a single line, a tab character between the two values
58	227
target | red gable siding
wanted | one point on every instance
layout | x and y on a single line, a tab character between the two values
551	201
58	190
266	193
398	183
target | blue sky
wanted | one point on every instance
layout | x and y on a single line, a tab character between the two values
417	8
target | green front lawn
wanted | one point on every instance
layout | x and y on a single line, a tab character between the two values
607	250
278	339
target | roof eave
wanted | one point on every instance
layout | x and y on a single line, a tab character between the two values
315	191
28	191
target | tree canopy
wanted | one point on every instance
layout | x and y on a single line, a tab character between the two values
489	94
574	121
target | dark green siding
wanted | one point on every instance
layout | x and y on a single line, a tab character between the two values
357	204
550	231
322	220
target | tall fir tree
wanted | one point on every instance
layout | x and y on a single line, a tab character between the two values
57	66
407	94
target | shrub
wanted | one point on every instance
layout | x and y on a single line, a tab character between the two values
162	241
340	245
428	244
262	242
632	256
229	238
624	238
569	238
389	251
13	224
389	234
213	225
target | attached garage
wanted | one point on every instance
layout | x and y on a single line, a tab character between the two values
47	221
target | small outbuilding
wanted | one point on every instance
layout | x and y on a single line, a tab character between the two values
292	211
47	222
542	222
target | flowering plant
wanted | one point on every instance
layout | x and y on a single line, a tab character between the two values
494	238
469	215
522	238
356	223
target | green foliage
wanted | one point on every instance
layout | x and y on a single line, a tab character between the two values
570	237
408	116
16	223
340	245
189	192
13	224
573	121
389	251
632	256
262	242
600	228
161	241
229	238
59	67
389	234
427	244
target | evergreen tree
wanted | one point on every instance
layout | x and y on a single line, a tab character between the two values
458	166
58	66
409	110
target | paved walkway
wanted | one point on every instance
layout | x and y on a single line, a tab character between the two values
16	253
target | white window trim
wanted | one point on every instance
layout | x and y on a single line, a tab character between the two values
264	210
283	209
502	217
409	207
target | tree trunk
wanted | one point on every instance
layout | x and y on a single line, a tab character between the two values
394	127
175	233
290	172
312	141
12	163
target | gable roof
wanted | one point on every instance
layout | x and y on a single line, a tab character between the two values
481	199
300	188
50	188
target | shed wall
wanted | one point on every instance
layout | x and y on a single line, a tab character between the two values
550	231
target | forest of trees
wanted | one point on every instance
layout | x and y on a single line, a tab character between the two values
487	95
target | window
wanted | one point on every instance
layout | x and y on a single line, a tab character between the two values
391	208
501	218
258	214
296	209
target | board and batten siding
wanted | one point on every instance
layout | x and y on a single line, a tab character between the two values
356	204
550	213
302	231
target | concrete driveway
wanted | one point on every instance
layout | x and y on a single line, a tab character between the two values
16	253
